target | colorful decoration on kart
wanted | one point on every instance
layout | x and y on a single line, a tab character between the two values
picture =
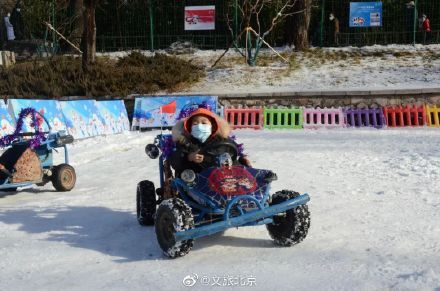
50	109
164	111
167	146
83	118
114	116
240	146
36	121
232	181
204	185
6	121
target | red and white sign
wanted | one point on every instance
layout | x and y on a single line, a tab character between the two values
200	17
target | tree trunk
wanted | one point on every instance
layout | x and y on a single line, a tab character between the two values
77	20
89	34
300	23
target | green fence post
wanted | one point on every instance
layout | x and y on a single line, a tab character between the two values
322	23
415	22
151	26
282	118
54	35
236	20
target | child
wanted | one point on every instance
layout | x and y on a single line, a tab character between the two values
194	136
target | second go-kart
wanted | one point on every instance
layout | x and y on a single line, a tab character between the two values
200	204
28	159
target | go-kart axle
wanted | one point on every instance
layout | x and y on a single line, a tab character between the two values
243	219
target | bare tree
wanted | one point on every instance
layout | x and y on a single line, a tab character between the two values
89	34
301	23
254	27
77	7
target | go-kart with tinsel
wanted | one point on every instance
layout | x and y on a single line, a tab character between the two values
28	156
194	205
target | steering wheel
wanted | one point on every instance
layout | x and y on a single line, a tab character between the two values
219	148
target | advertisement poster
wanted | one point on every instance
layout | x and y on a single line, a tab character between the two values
7	122
50	109
114	116
200	17
83	118
365	14
163	111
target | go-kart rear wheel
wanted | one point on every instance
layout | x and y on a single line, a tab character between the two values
290	227
63	177
173	215
145	202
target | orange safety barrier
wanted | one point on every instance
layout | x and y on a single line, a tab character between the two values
244	117
405	116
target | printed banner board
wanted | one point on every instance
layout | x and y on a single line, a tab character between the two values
7	122
200	17
365	14
114	115
163	111
83	118
50	109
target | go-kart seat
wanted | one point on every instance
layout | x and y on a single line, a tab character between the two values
21	164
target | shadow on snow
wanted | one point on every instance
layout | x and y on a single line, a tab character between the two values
111	232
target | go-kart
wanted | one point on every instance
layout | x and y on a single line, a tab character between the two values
229	195
25	163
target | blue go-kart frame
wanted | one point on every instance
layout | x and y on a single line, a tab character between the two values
202	208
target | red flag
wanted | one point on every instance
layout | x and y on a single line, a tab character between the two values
169	108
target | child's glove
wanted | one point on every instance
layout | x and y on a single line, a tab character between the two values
245	161
195	157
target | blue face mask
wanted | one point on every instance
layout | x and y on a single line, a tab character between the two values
201	131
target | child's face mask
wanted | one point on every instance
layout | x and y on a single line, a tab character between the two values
201	131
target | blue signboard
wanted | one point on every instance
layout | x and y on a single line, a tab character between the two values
7	122
114	115
50	109
164	111
365	14
83	118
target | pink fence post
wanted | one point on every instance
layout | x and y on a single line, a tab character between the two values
323	118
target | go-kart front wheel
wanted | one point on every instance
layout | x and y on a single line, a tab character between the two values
290	227
145	202
173	215
63	177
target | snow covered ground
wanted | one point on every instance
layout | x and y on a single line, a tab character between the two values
347	68
375	210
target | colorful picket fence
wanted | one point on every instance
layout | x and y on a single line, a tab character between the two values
433	115
323	118
315	118
368	117
286	118
400	116
244	117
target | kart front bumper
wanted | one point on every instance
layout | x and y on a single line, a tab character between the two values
242	220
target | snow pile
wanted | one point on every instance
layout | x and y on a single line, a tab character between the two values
366	68
375	219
